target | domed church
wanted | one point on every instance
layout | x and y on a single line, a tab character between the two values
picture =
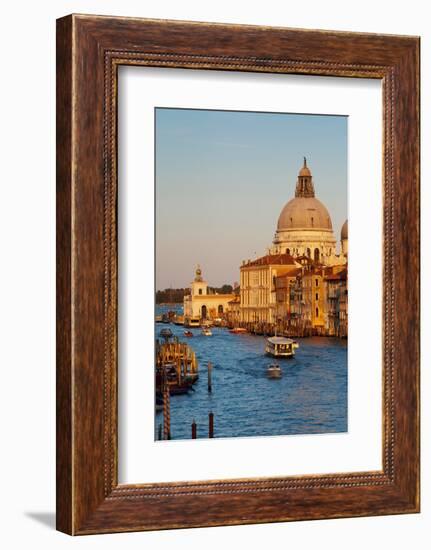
304	226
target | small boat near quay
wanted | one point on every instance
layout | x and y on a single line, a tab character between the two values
191	322
206	331
238	330
188	333
279	346
274	371
178	319
166	333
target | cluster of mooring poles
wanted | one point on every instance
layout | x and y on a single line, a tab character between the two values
165	433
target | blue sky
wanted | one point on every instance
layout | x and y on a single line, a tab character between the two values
223	177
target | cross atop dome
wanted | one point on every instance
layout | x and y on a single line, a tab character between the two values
304	185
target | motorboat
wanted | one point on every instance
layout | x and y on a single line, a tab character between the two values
192	322
279	346
274	371
206	331
238	330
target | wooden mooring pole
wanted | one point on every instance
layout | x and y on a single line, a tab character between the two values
211	424
166	410
209	377
194	430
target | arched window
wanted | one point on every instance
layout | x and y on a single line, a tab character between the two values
288	251
308	252
317	312
200	291
204	312
316	255
220	309
312	221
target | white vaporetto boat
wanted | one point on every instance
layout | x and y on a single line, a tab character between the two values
279	346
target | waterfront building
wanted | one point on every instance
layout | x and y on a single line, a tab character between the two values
303	312
285	298
202	303
233	312
257	284
336	312
313	299
336	292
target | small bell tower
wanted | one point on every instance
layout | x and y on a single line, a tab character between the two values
199	287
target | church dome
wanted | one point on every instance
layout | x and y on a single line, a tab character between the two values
304	213
344	231
305	171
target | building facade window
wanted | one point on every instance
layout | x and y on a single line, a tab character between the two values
317	312
200	291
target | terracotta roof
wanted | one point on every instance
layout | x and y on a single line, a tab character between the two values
340	276
272	259
292	273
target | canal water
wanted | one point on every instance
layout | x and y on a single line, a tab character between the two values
309	398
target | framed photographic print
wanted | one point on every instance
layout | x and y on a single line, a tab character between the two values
237	274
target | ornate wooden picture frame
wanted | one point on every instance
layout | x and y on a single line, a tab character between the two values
89	51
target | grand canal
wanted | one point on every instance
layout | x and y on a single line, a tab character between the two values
310	397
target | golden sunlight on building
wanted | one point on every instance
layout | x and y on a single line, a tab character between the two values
300	287
257	283
202	303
